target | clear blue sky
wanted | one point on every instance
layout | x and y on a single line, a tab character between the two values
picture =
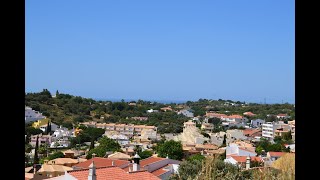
162	50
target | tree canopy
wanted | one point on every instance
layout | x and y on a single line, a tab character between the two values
172	149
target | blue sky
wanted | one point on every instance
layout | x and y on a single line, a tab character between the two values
162	50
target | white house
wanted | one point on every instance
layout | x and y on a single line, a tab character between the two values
120	138
187	113
257	123
61	132
236	150
282	116
234	118
152	111
32	115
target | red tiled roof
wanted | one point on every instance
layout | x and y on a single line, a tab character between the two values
113	173
235	116
160	171
242	159
277	154
101	162
249	132
150	160
142	175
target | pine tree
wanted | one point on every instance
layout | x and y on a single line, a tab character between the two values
36	158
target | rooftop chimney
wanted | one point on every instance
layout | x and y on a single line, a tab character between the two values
248	162
136	164
92	172
113	163
93	155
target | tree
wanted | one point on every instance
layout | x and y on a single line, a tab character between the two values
189	169
215	121
36	158
48	129
224	142
172	149
287	136
145	154
28	148
55	155
105	144
196	157
93	134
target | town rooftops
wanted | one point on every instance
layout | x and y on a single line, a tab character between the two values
61	161
150	160
235	117
249	132
119	155
111	173
101	162
276	154
54	168
242	159
248	114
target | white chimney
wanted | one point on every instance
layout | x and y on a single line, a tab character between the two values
136	167
113	163
248	162
136	164
92	172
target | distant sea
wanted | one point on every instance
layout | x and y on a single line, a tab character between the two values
173	101
151	100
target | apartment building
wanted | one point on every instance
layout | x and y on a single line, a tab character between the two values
273	129
125	129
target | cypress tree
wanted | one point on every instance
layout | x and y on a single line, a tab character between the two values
36	158
47	129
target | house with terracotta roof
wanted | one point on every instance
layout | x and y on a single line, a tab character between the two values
160	167
241	160
165	109
234	118
101	162
119	156
52	170
105	173
65	161
251	132
249	114
214	114
275	155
